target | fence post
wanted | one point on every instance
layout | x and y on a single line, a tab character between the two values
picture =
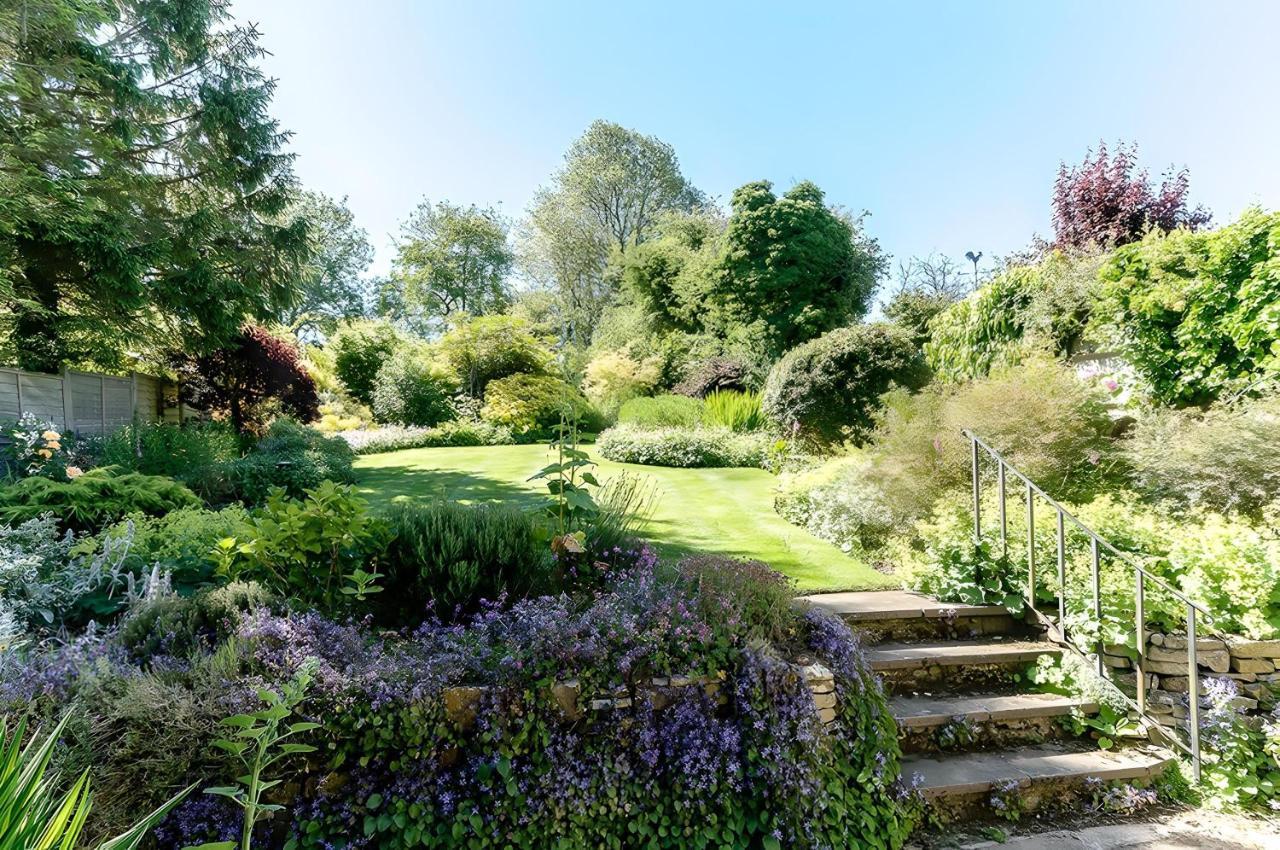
68	415
1062	574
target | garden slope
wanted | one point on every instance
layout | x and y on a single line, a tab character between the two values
708	510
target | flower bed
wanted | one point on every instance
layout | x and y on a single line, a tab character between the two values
685	447
672	708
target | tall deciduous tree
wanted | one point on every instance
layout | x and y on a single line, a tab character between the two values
455	259
1106	201
330	286
141	176
793	267
615	185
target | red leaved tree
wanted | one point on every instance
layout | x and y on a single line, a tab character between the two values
236	380
1106	201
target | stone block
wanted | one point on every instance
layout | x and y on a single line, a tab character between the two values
825	701
1244	648
566	695
1217	660
460	705
1203	643
827	715
1252	665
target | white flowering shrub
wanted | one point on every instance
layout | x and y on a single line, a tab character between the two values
840	502
684	447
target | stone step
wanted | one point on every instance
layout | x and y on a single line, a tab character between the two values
968	774
915	712
957	653
937	723
902	615
960	666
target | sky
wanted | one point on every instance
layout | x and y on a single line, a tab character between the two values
945	121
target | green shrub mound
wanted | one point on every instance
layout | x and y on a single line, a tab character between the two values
94	499
191	452
827	390
662	411
534	403
290	456
684	447
840	502
408	391
445	558
358	350
180	542
458	433
1195	313
1227	459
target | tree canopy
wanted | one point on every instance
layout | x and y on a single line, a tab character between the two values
142	180
453	259
330	286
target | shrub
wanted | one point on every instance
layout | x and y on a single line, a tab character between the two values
340	414
290	456
168	627
684	447
663	411
180	542
253	375
410	392
827	390
763	597
533	403
1228	458
92	500
34	446
714	373
488	348
1195	312
393	438
734	410
1059	437
446	558
613	378
307	549
359	348
840	502
191	452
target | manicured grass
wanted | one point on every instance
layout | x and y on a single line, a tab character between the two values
704	510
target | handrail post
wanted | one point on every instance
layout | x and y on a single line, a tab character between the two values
1140	621
1096	557
1193	693
1031	547
1062	574
1004	519
977	493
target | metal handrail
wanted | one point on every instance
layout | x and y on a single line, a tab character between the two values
1097	545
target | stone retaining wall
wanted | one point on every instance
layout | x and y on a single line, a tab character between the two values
1253	664
462	703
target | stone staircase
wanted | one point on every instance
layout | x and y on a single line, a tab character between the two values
968	728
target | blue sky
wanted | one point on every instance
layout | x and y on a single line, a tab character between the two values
946	121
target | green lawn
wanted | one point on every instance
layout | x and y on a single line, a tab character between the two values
709	510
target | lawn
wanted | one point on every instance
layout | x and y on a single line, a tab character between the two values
708	510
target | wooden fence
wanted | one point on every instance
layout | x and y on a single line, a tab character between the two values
89	403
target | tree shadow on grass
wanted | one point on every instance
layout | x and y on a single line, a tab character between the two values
386	486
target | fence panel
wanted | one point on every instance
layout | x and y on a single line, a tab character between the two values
86	402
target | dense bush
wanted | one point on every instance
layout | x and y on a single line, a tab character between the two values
393	438
684	447
1195	313
711	374
168	626
984	331
94	499
1229	566
488	348
737	411
534	403
444	558
358	349
180	543
613	378
828	390
662	411
191	452
1228	458
840	501
290	456
1059	436
410	391
255	375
